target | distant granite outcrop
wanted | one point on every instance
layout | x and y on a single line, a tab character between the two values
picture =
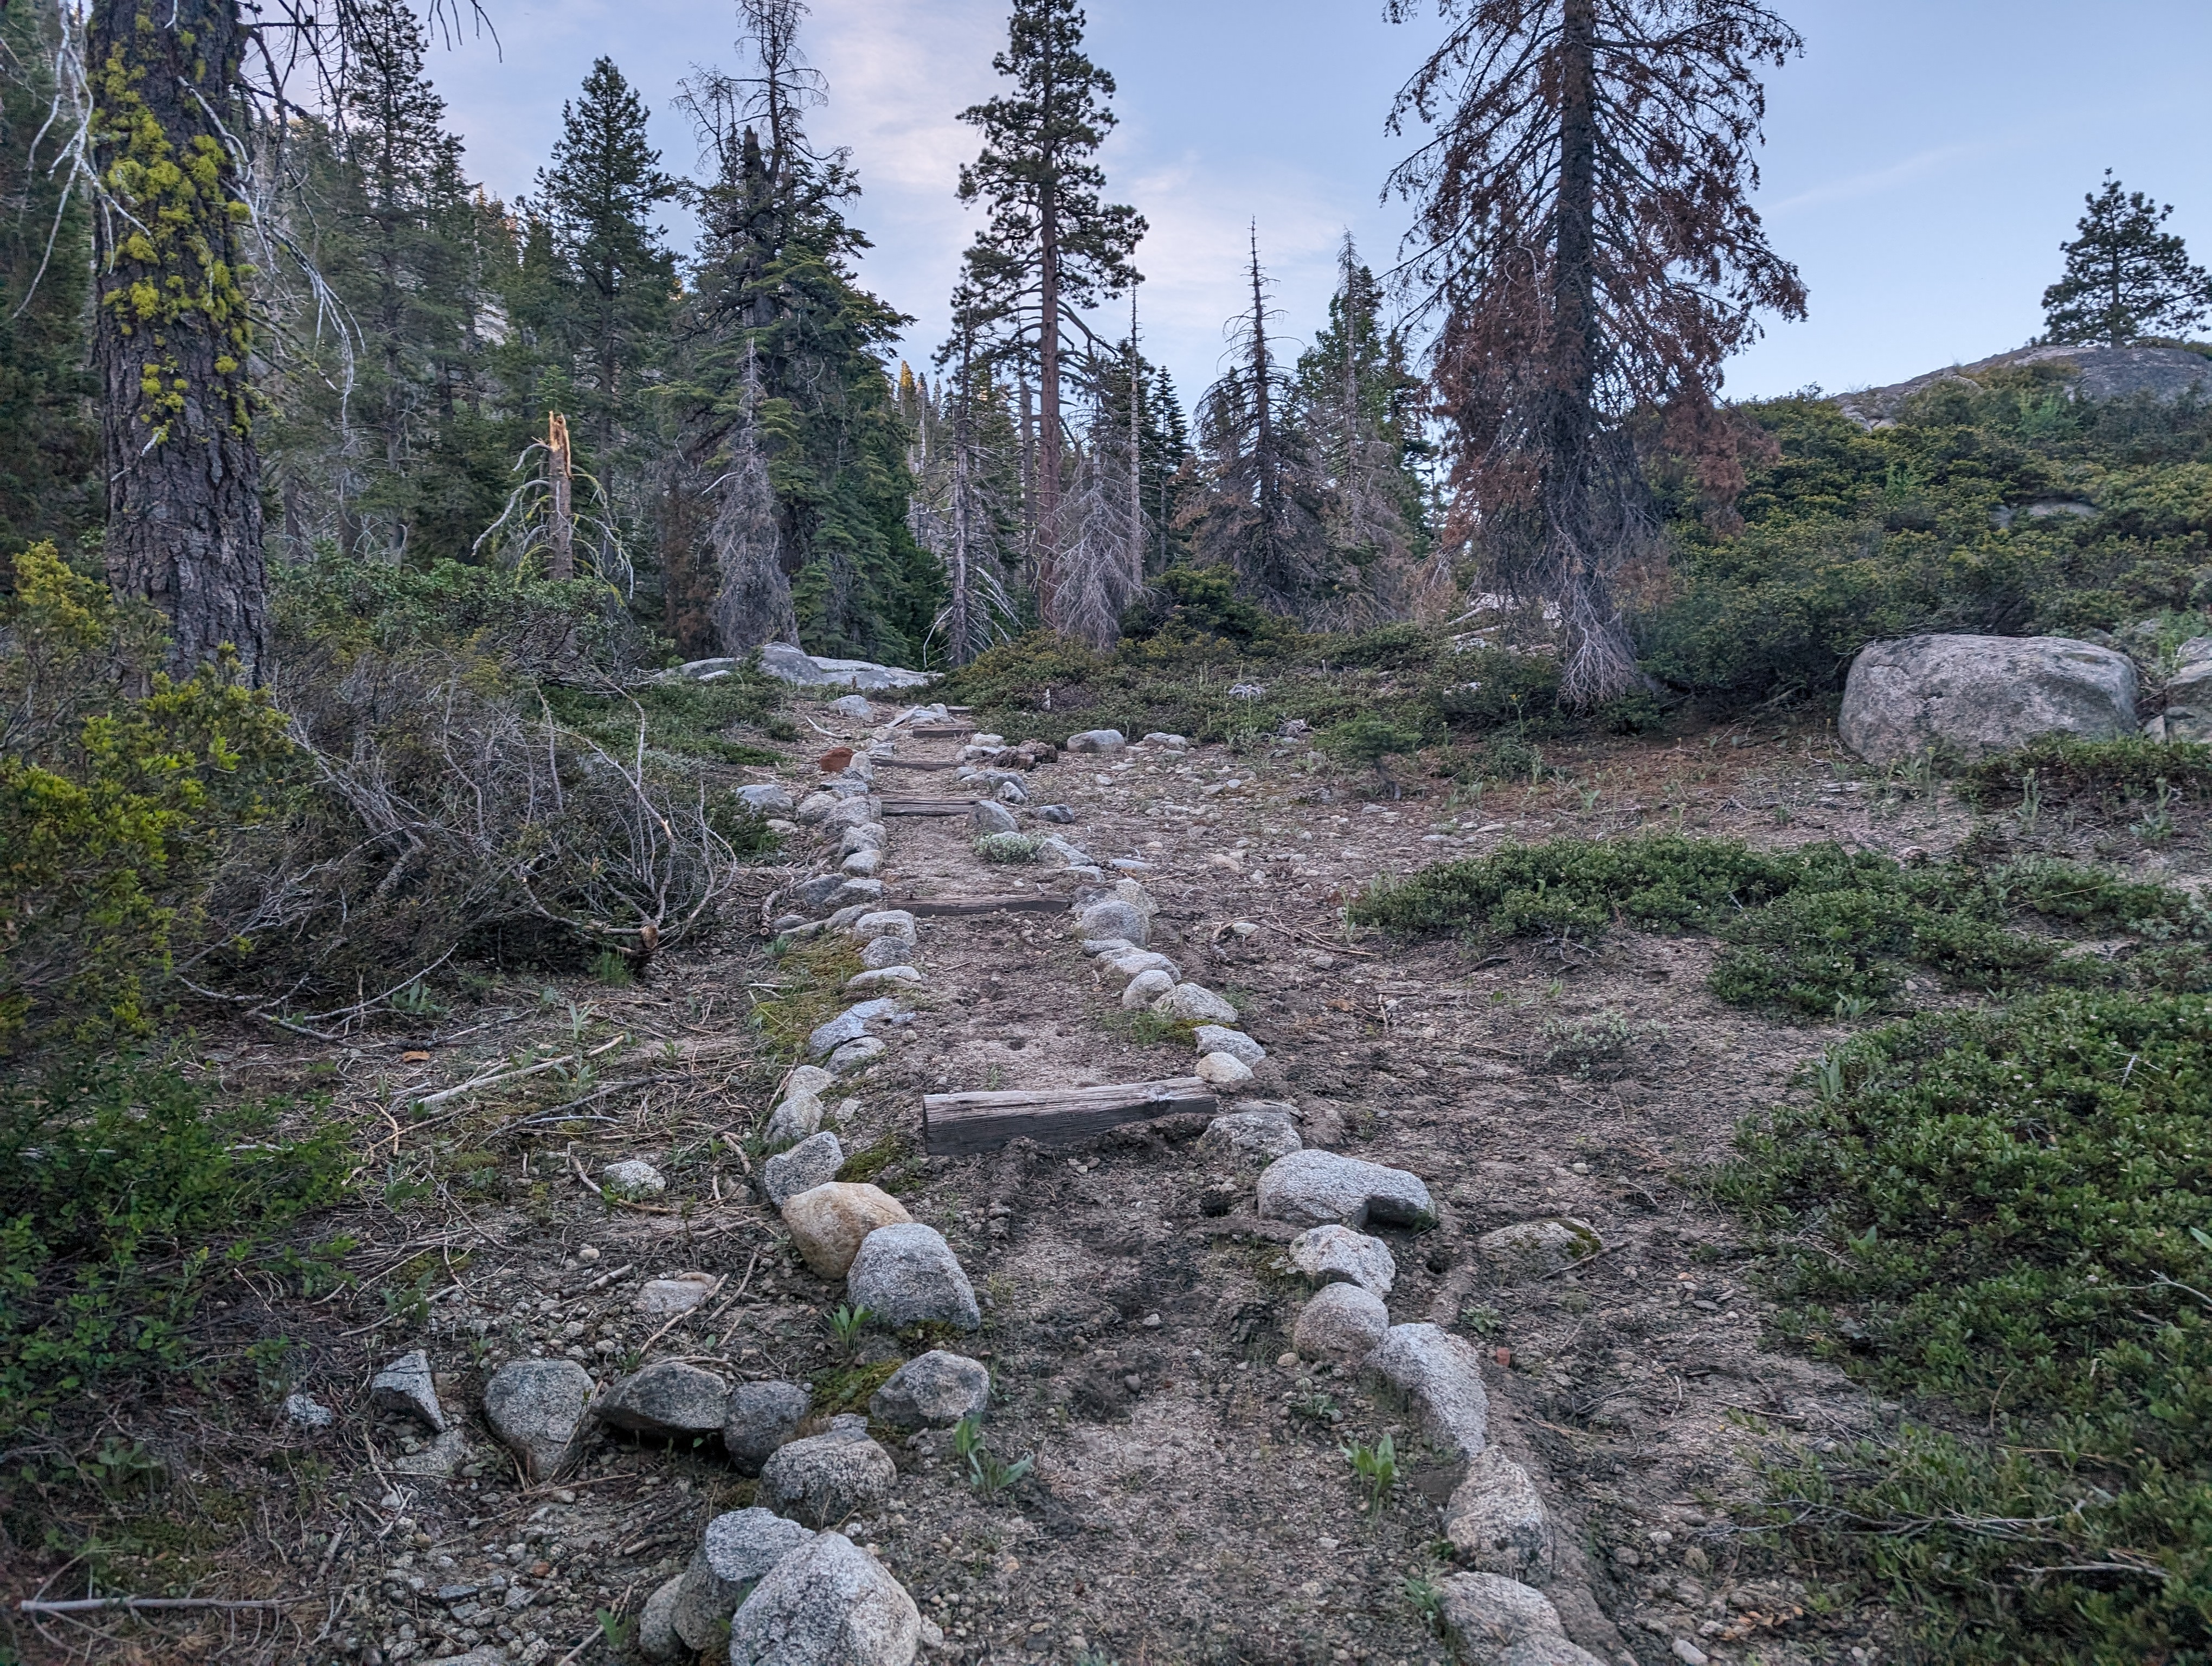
2092	373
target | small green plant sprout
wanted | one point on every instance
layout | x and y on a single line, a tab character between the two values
1316	1407
2156	824
416	1000
1850	1006
1008	847
1428	1600
990	1474
1827	1079
848	1322
611	969
1482	1319
615	1630
2030	809
1377	1465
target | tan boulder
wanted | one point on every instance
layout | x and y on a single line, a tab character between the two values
828	1222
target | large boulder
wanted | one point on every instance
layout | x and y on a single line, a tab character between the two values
828	1604
906	1273
738	1550
536	1407
1970	696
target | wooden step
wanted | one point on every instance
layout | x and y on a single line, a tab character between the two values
957	1124
943	730
917	763
962	905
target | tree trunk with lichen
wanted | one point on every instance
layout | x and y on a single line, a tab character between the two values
172	338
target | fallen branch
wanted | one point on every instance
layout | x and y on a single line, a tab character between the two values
135	1604
494	1081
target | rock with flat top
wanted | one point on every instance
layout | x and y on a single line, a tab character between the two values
1097	740
740	1549
766	798
858	1054
536	1407
1113	916
1441	1377
668	1401
850	1025
1314	1187
883	951
681	1294
825	1478
1217	1038
761	1417
405	1385
1337	1254
854	705
828	1604
989	816
906	1273
1224	1071
1533	1249
633	1178
1496	1522
828	1223
933	1391
1251	1137
812	1162
1139	993
883	923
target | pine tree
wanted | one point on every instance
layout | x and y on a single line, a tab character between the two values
1051	247
1591	247
597	196
49	447
2125	278
1259	511
775	290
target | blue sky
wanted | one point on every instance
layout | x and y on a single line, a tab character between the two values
1924	159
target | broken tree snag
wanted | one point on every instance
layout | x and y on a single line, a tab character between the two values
959	905
929	807
955	1124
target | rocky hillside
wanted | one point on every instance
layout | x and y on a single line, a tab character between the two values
2091	373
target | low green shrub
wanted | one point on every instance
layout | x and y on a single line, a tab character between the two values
1008	847
2105	775
1815	930
2011	1211
126	1194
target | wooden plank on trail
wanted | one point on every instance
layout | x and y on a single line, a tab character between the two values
917	763
929	807
954	1124
960	905
942	731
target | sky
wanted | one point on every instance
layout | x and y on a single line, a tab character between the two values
1925	158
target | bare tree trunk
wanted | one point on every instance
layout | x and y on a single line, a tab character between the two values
560	474
172	336
1573	279
1029	492
1049	440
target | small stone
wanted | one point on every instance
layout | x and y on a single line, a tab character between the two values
656	1622
1533	1249
854	705
405	1385
796	1118
933	1391
1342	1322
1108	948
1493	1620
850	1025
1688	1652
1215	1038
761	1417
1224	1070
858	1054
1314	1187
536	1407
856	812
438	1460
868	835
907	1274
1143	990
1336	1254
807	1079
883	951
1496	1522
828	1223
1097	740
881	922
883	977
1112	916
812	1162
816	806
1441	1374
308	1413
827	1477
987	816
1243	928
1058	814
1012	792
828	1604
1195	1003
1174	742
766	798
740	1548
1253	1137
1129	963
668	1400
681	1294
633	1178
862	864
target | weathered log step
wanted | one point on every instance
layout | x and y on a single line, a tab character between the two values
929	807
943	730
917	763
962	905
956	1124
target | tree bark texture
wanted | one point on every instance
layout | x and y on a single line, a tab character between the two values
172	336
